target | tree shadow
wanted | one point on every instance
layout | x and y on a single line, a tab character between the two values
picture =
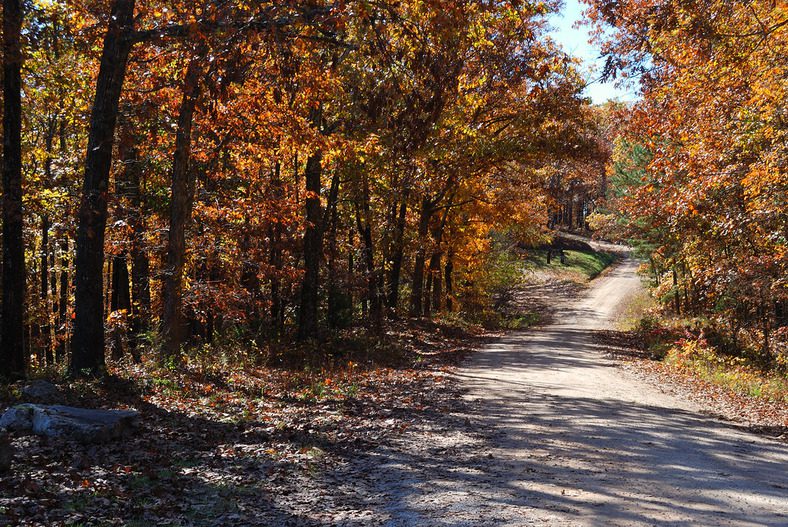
593	459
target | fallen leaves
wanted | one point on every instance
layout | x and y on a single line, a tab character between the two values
241	449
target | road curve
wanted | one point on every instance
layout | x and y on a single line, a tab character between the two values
573	440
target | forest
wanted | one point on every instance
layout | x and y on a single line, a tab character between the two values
268	169
209	193
176	173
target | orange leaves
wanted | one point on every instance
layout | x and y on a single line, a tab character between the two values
713	193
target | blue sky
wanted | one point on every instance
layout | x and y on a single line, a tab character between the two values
575	41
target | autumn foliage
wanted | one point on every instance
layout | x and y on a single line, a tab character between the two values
266	170
700	168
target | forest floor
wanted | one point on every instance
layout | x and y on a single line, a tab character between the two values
560	425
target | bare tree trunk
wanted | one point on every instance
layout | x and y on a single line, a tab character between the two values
373	277
351	266
313	249
121	298
437	283
417	288
63	322
13	357
448	273
395	263
173	326
275	258
140	264
435	263
334	292
88	343
46	327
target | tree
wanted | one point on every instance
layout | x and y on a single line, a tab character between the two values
12	336
88	341
712	196
172	324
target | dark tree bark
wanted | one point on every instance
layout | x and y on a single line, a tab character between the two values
275	257
13	357
313	249
351	266
330	226
448	273
173	326
140	264
374	277
63	322
433	292
427	303
437	282
120	299
46	327
88	343
397	255
417	288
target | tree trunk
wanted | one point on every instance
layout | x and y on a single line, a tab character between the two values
427	304
46	327
435	264
88	343
397	253
374	292
421	255
437	283
173	325
373	278
334	306
63	322
13	357
140	264
120	298
275	258
448	273
351	267
313	250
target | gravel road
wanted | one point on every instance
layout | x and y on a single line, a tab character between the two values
556	434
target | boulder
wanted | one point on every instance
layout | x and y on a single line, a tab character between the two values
18	418
83	424
41	391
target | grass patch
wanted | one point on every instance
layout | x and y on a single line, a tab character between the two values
639	308
587	265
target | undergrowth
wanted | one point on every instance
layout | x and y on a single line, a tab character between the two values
693	354
695	348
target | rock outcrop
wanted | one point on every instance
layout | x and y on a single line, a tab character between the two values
83	424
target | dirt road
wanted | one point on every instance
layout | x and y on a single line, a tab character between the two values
556	434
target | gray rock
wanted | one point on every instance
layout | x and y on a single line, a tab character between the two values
66	421
41	390
18	418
